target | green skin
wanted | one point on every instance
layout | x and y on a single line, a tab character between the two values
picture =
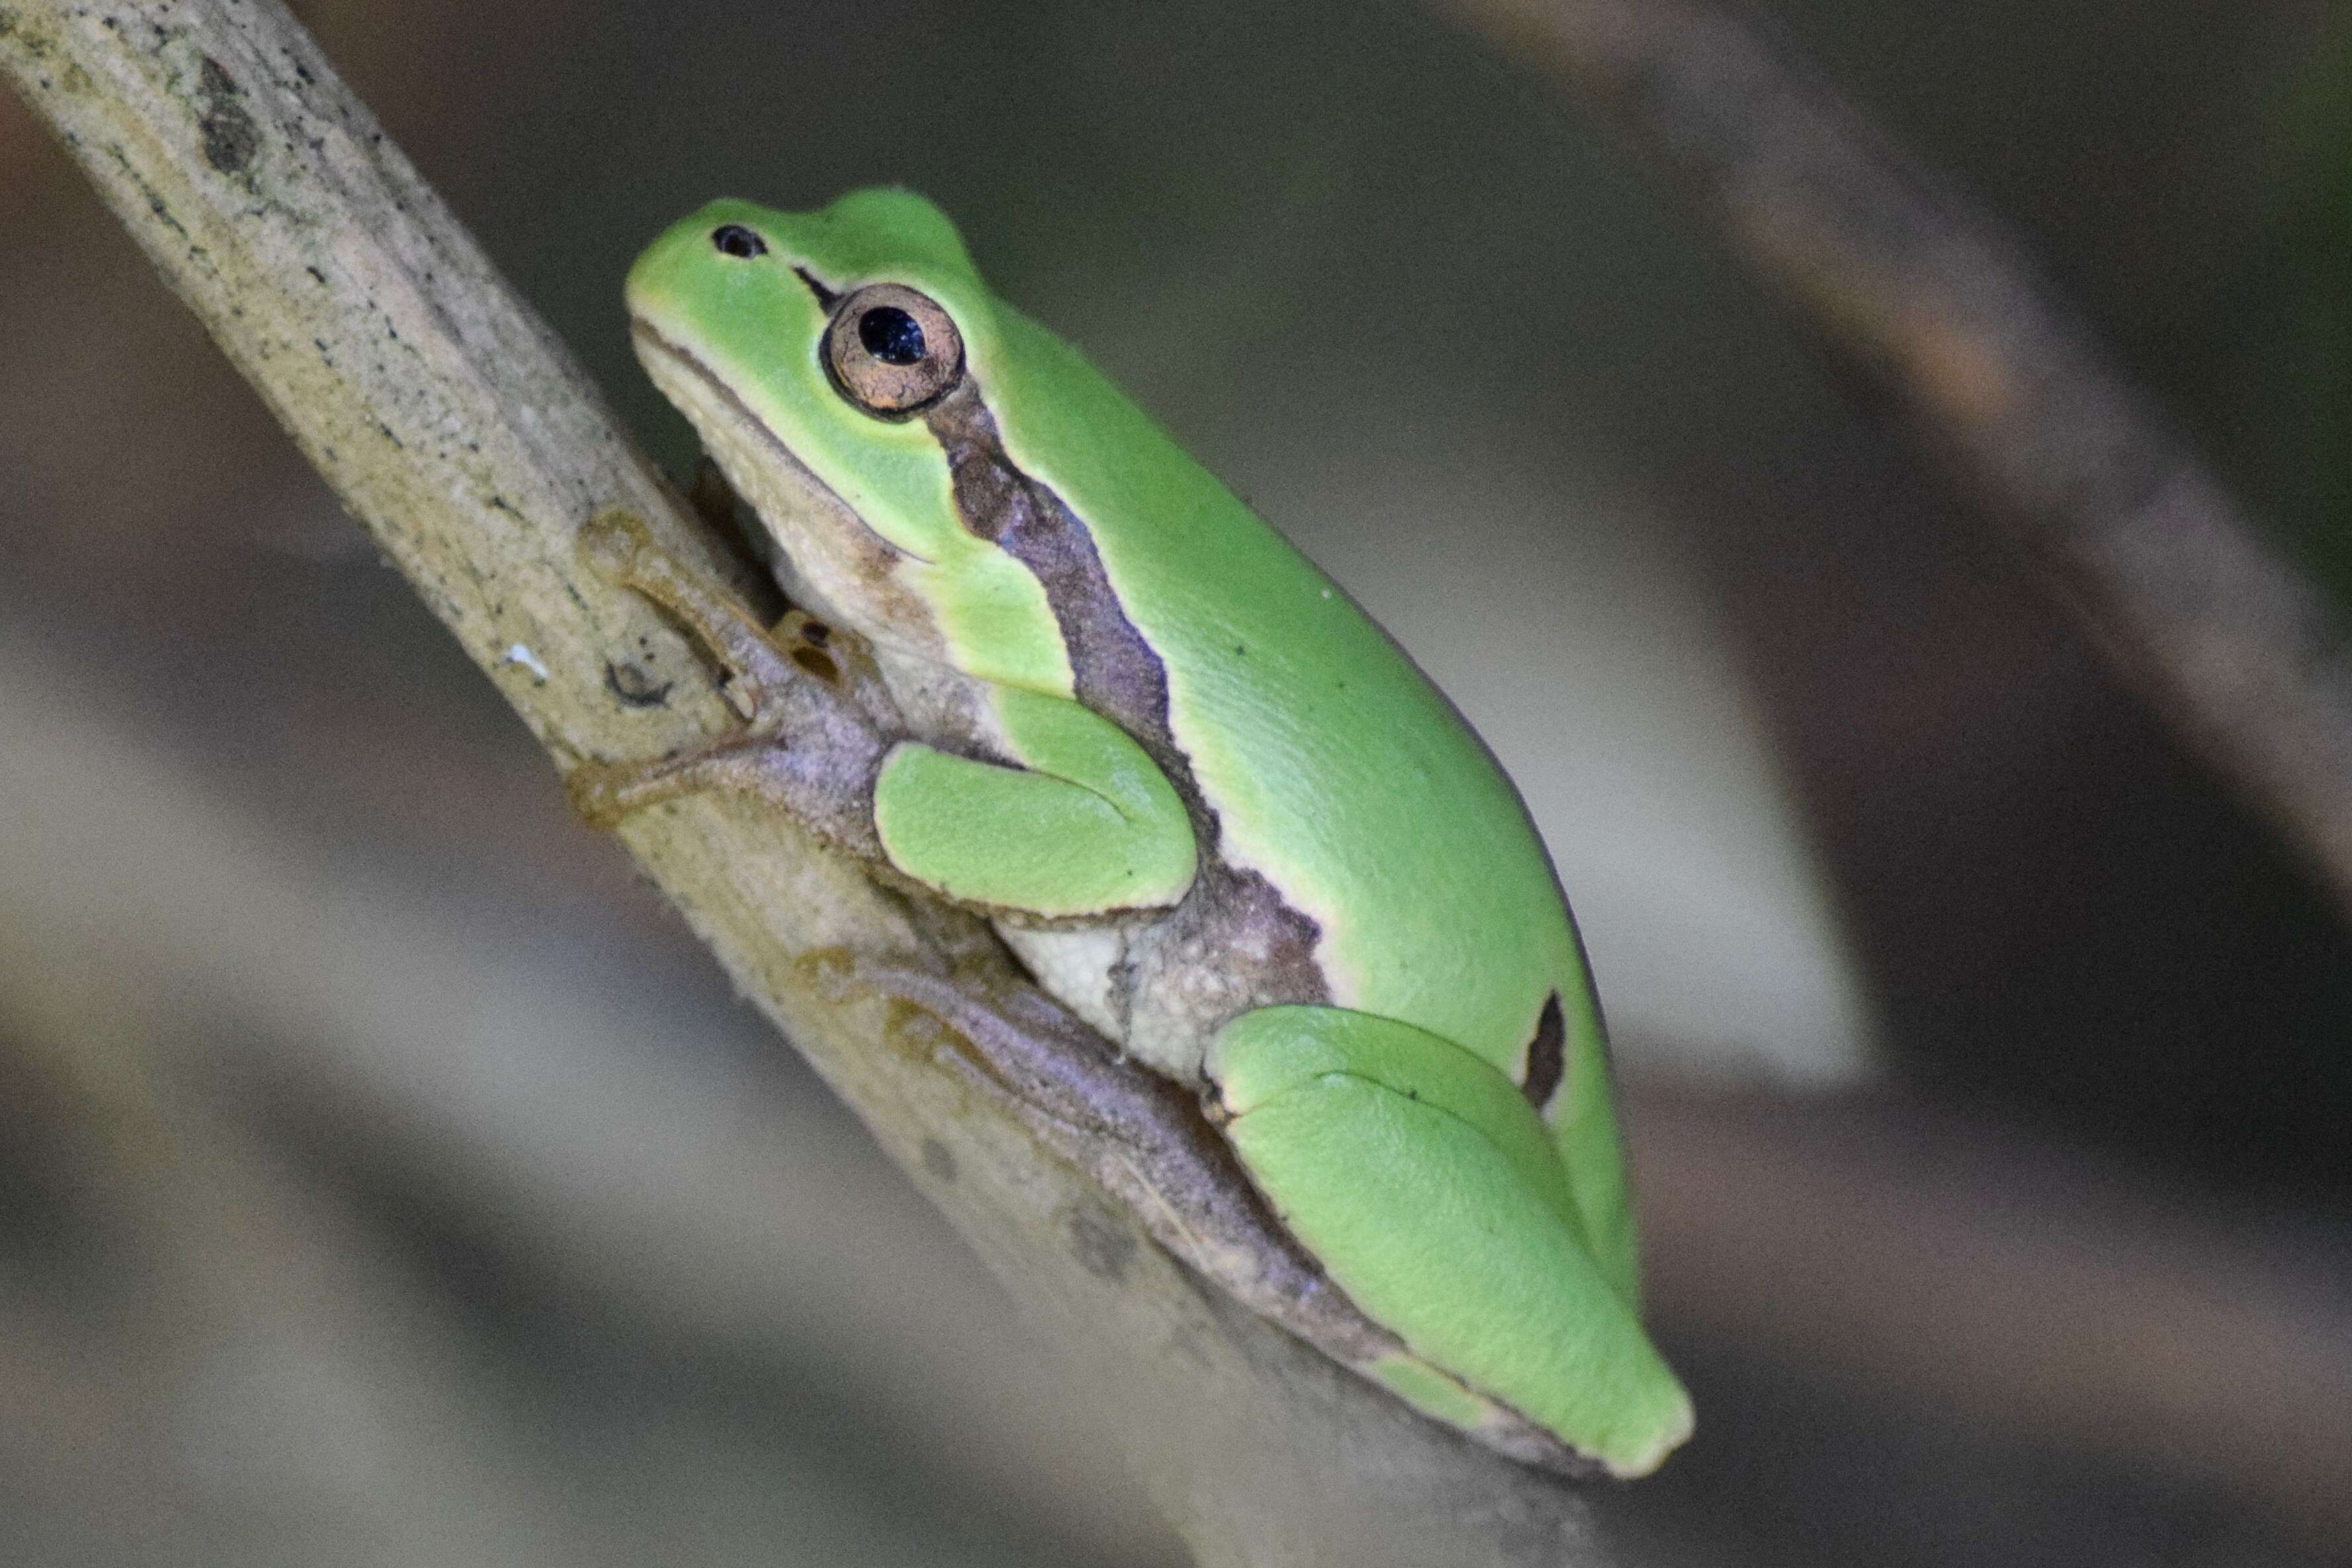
1221	815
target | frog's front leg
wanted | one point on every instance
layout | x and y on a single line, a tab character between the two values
620	549
1062	815
818	723
1409	1166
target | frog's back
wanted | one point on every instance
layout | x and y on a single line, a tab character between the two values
1333	765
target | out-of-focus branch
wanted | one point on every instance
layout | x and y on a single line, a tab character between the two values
1939	306
456	429
2019	1284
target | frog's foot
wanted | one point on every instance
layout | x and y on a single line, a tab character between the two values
620	549
605	792
802	681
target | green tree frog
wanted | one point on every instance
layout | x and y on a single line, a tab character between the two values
1208	803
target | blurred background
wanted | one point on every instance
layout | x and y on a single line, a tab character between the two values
386	1177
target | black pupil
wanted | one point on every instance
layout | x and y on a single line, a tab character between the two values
734	239
891	335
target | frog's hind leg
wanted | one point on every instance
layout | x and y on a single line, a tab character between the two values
1423	1182
605	792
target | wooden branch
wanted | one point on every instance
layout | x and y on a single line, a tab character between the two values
458	430
1943	313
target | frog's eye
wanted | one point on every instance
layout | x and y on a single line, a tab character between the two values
733	239
893	351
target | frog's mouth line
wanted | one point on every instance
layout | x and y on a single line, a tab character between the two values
651	343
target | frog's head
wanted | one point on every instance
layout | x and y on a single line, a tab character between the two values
807	348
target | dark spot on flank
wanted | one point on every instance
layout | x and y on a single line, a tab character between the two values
634	687
816	663
1546	1057
816	632
938	1161
1103	1245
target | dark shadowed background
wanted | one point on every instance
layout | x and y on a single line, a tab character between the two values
386	1177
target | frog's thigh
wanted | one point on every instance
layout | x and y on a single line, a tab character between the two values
1020	840
1385	1150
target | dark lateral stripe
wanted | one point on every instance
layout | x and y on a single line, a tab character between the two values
1546	1055
1115	672
1268	946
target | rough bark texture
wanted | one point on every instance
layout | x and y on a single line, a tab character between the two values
460	433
